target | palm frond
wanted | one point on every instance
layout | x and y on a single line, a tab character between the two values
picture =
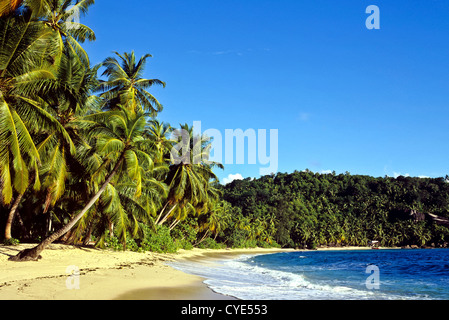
8	6
6	179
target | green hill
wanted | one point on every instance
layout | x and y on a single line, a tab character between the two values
311	209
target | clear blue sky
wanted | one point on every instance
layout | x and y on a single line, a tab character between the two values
343	97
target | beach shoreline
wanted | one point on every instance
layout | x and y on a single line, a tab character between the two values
86	273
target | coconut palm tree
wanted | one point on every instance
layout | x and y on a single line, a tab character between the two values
61	16
119	139
120	212
217	220
125	85
25	75
190	175
159	132
67	104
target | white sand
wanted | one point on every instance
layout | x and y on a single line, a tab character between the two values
103	275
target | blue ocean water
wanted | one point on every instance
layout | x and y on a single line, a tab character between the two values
419	274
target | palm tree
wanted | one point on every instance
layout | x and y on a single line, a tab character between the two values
159	132
118	137
219	218
181	213
125	85
120	212
270	231
190	176
58	16
24	78
72	100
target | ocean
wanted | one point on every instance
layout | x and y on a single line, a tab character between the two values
418	274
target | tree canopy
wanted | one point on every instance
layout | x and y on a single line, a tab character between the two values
311	209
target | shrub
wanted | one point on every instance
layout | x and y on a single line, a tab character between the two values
11	242
132	245
159	241
112	242
210	243
184	235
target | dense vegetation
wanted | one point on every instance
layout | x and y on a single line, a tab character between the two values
84	159
83	156
311	209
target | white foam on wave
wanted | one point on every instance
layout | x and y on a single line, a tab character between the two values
243	279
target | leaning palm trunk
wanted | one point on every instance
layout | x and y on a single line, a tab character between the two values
174	224
34	253
160	221
203	238
160	214
166	216
11	215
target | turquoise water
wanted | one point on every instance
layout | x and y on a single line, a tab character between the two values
330	275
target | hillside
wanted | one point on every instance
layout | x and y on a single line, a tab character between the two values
311	209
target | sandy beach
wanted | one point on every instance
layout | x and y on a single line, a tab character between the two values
80	273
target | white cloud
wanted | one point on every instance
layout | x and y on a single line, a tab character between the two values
326	171
232	177
397	174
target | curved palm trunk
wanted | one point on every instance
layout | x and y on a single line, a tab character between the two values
13	211
34	253
160	213
161	222
203	238
11	215
174	224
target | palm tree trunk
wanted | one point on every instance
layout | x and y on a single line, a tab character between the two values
203	238
160	214
11	215
166	216
49	223
24	232
67	237
174	224
88	235
34	253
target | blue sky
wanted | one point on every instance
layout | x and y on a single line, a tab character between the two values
342	97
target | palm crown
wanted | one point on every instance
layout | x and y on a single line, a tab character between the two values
125	85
